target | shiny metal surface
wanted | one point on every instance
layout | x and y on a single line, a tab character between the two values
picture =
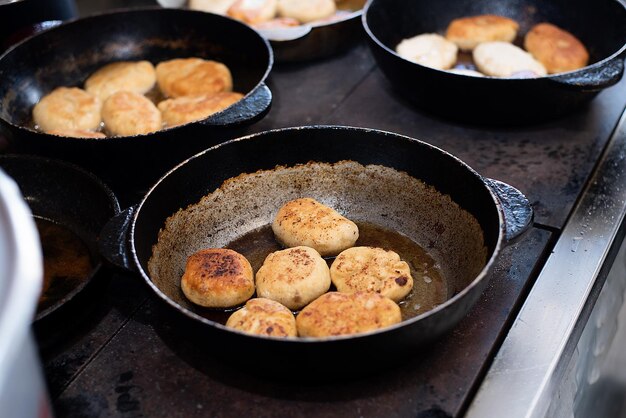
22	389
528	367
594	381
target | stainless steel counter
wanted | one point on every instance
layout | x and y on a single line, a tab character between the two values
530	366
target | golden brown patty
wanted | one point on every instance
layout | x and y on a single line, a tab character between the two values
125	113
190	108
293	277
307	222
468	32
262	316
306	11
337	313
77	133
557	49
136	76
192	76
217	278
253	11
371	269
67	108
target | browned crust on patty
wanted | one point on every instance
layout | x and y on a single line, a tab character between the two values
218	278
68	108
126	113
293	277
308	222
558	50
372	269
335	313
468	32
192	76
187	109
136	76
261	316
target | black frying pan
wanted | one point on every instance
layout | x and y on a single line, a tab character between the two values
68	54
600	25
466	250
21	17
72	199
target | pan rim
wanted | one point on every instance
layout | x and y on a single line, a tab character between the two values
100	185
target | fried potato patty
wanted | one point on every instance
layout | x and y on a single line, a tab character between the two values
192	76
136	76
371	269
557	49
502	59
217	278
337	313
307	222
68	108
468	32
186	109
429	49
219	7
261	316
126	113
253	11
293	277
306	11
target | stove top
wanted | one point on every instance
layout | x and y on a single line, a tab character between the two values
119	351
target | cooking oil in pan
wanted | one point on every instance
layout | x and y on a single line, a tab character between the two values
67	262
429	285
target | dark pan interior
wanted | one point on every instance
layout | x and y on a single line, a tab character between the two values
68	54
65	195
425	215
598	24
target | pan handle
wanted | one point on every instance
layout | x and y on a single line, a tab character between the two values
249	109
114	242
593	79
518	212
